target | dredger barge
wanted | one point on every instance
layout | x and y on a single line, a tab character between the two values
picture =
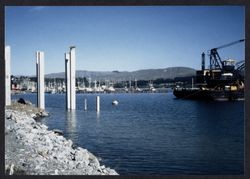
224	80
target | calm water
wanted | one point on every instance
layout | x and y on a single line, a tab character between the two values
154	134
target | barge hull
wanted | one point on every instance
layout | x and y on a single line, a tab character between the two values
209	94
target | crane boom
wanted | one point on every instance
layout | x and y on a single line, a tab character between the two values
227	45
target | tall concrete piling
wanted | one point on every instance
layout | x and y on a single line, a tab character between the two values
67	80
40	79
7	77
70	71
73	77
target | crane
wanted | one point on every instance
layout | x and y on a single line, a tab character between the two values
240	65
215	59
239	71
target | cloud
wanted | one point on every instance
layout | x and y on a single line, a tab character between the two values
37	8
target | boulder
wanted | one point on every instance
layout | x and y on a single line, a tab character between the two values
21	101
58	131
8	115
82	157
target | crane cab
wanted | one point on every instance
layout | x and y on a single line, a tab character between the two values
228	65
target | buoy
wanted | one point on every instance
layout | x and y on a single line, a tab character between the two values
115	102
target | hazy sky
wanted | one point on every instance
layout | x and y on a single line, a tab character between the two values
121	38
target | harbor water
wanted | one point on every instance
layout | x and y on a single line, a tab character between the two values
153	133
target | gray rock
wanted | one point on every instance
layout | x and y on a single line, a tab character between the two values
8	115
44	114
34	150
56	172
82	156
33	115
21	101
13	117
89	170
111	171
58	131
81	165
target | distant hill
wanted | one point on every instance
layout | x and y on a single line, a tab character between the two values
148	74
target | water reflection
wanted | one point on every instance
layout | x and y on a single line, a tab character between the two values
98	115
71	122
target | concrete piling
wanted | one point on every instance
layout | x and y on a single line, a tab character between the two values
40	79
67	80
85	104
70	79
7	77
98	103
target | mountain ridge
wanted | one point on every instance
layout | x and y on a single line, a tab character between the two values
143	74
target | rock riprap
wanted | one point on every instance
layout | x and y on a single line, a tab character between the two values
32	149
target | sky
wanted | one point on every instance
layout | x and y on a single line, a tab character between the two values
123	38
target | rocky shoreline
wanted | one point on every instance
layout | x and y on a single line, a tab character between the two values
32	149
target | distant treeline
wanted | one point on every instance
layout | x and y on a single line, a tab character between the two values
160	82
